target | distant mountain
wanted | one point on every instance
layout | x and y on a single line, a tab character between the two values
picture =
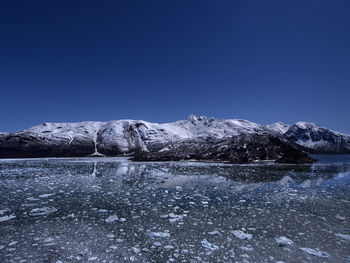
199	138
314	138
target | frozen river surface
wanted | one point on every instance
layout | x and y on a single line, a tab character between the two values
115	210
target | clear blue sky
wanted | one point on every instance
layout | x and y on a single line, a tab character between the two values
264	61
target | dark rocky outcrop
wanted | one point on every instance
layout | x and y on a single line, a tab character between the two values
244	148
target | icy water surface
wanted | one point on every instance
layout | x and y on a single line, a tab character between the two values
115	210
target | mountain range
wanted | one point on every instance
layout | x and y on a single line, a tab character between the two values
196	137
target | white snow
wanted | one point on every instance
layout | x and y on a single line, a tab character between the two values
125	135
116	132
279	127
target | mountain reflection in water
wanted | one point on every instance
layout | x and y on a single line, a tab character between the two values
115	210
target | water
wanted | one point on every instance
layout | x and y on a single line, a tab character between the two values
114	210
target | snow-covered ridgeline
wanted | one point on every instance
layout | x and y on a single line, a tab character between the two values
314	137
192	136
125	134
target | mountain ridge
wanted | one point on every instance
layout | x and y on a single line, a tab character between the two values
196	137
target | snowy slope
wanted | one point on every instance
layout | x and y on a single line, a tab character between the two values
314	137
124	136
279	127
192	137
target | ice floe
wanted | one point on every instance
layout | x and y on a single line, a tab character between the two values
208	245
242	235
283	241
158	234
111	219
6	218
42	211
315	252
346	237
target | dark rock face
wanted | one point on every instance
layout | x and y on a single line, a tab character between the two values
316	139
245	148
27	145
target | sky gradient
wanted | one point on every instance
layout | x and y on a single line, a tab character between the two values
265	61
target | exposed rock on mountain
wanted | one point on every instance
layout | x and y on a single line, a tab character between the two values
314	138
242	148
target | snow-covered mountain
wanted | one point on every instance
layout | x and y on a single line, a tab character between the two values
279	127
314	138
200	138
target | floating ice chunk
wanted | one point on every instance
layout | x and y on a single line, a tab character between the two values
42	211
136	250
315	252
13	243
175	217
157	244
33	199
283	241
215	232
286	180
246	248
92	258
168	247
208	245
242	235
339	217
45	195
3	211
346	237
111	219
6	218
48	240
165	149
159	234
